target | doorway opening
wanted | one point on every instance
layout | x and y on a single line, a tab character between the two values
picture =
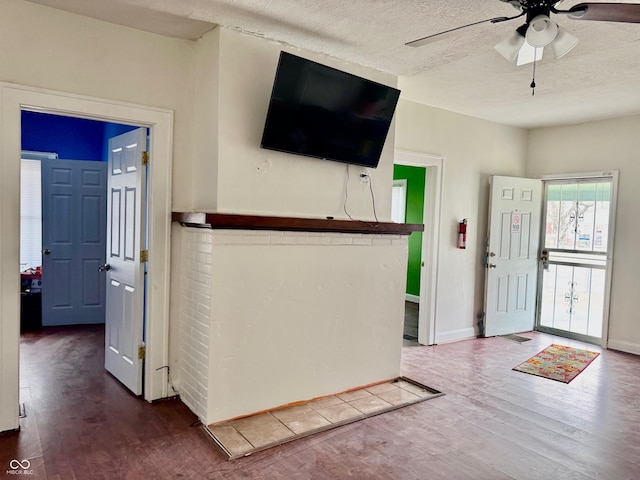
13	100
407	206
63	216
418	184
63	274
575	261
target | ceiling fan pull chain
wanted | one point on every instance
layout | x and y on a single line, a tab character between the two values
533	81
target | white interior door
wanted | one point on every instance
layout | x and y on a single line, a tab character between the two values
126	197
73	241
512	256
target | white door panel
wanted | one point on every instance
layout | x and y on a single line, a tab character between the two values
513	238
125	275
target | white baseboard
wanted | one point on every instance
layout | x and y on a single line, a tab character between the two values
455	335
412	298
623	346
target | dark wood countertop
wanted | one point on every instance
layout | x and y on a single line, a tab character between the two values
293	224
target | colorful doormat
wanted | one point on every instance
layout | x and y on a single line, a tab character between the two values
558	362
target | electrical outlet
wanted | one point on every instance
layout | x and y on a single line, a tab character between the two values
364	176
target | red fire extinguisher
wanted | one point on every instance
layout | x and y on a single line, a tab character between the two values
462	234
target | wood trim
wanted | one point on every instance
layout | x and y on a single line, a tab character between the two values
256	222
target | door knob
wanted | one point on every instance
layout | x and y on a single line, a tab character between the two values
104	268
492	265
46	251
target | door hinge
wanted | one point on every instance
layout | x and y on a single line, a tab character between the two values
142	352
145	158
144	255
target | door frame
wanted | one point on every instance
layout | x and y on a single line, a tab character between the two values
614	176
15	98
434	170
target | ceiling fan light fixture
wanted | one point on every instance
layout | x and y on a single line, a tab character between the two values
529	54
541	32
510	47
563	43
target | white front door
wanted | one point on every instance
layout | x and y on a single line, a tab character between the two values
126	238
576	257
512	255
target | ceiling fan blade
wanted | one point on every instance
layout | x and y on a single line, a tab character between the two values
447	33
606	12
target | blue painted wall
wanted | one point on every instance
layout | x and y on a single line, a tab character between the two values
112	130
71	138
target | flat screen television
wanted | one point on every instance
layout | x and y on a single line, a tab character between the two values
322	112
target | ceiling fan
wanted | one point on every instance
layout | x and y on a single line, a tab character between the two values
527	43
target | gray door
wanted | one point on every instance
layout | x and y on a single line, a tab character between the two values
74	219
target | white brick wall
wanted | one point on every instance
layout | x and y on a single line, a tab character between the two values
204	389
195	315
268	237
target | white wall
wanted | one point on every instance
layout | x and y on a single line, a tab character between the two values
48	48
598	146
205	129
254	180
231	74
288	320
286	316
473	150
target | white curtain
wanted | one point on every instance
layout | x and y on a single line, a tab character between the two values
399	201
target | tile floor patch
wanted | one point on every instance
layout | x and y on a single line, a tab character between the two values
262	430
250	434
354	395
340	413
370	404
301	419
398	396
382	387
325	402
232	440
410	387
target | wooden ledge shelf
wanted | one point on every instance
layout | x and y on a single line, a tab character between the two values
291	224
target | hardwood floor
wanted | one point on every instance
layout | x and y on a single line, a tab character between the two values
411	311
493	423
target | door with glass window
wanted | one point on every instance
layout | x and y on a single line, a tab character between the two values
575	257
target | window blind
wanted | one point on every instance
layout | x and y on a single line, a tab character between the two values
30	214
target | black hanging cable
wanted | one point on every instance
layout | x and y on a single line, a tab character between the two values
169	378
533	82
373	198
346	193
346	197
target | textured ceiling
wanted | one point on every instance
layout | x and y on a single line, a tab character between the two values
600	78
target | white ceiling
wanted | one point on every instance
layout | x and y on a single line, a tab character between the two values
600	78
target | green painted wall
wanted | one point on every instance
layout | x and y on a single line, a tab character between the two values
415	177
